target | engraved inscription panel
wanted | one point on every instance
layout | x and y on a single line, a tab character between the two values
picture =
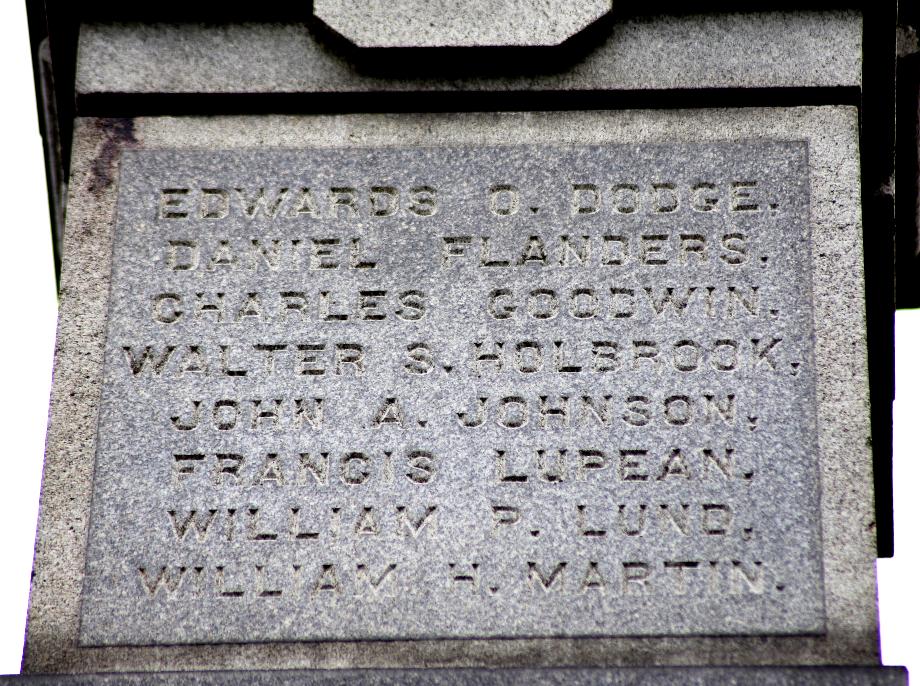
457	392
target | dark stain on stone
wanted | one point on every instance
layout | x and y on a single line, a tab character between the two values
117	134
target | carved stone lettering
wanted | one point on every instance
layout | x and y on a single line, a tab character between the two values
457	392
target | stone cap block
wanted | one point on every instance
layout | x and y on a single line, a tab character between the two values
443	23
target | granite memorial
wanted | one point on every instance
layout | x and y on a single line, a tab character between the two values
520	397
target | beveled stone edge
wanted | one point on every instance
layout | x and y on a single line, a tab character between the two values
332	13
551	676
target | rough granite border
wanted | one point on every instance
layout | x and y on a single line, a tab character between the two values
847	508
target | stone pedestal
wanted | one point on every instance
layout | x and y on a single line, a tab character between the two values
549	396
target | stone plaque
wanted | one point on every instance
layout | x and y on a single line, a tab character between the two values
515	391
